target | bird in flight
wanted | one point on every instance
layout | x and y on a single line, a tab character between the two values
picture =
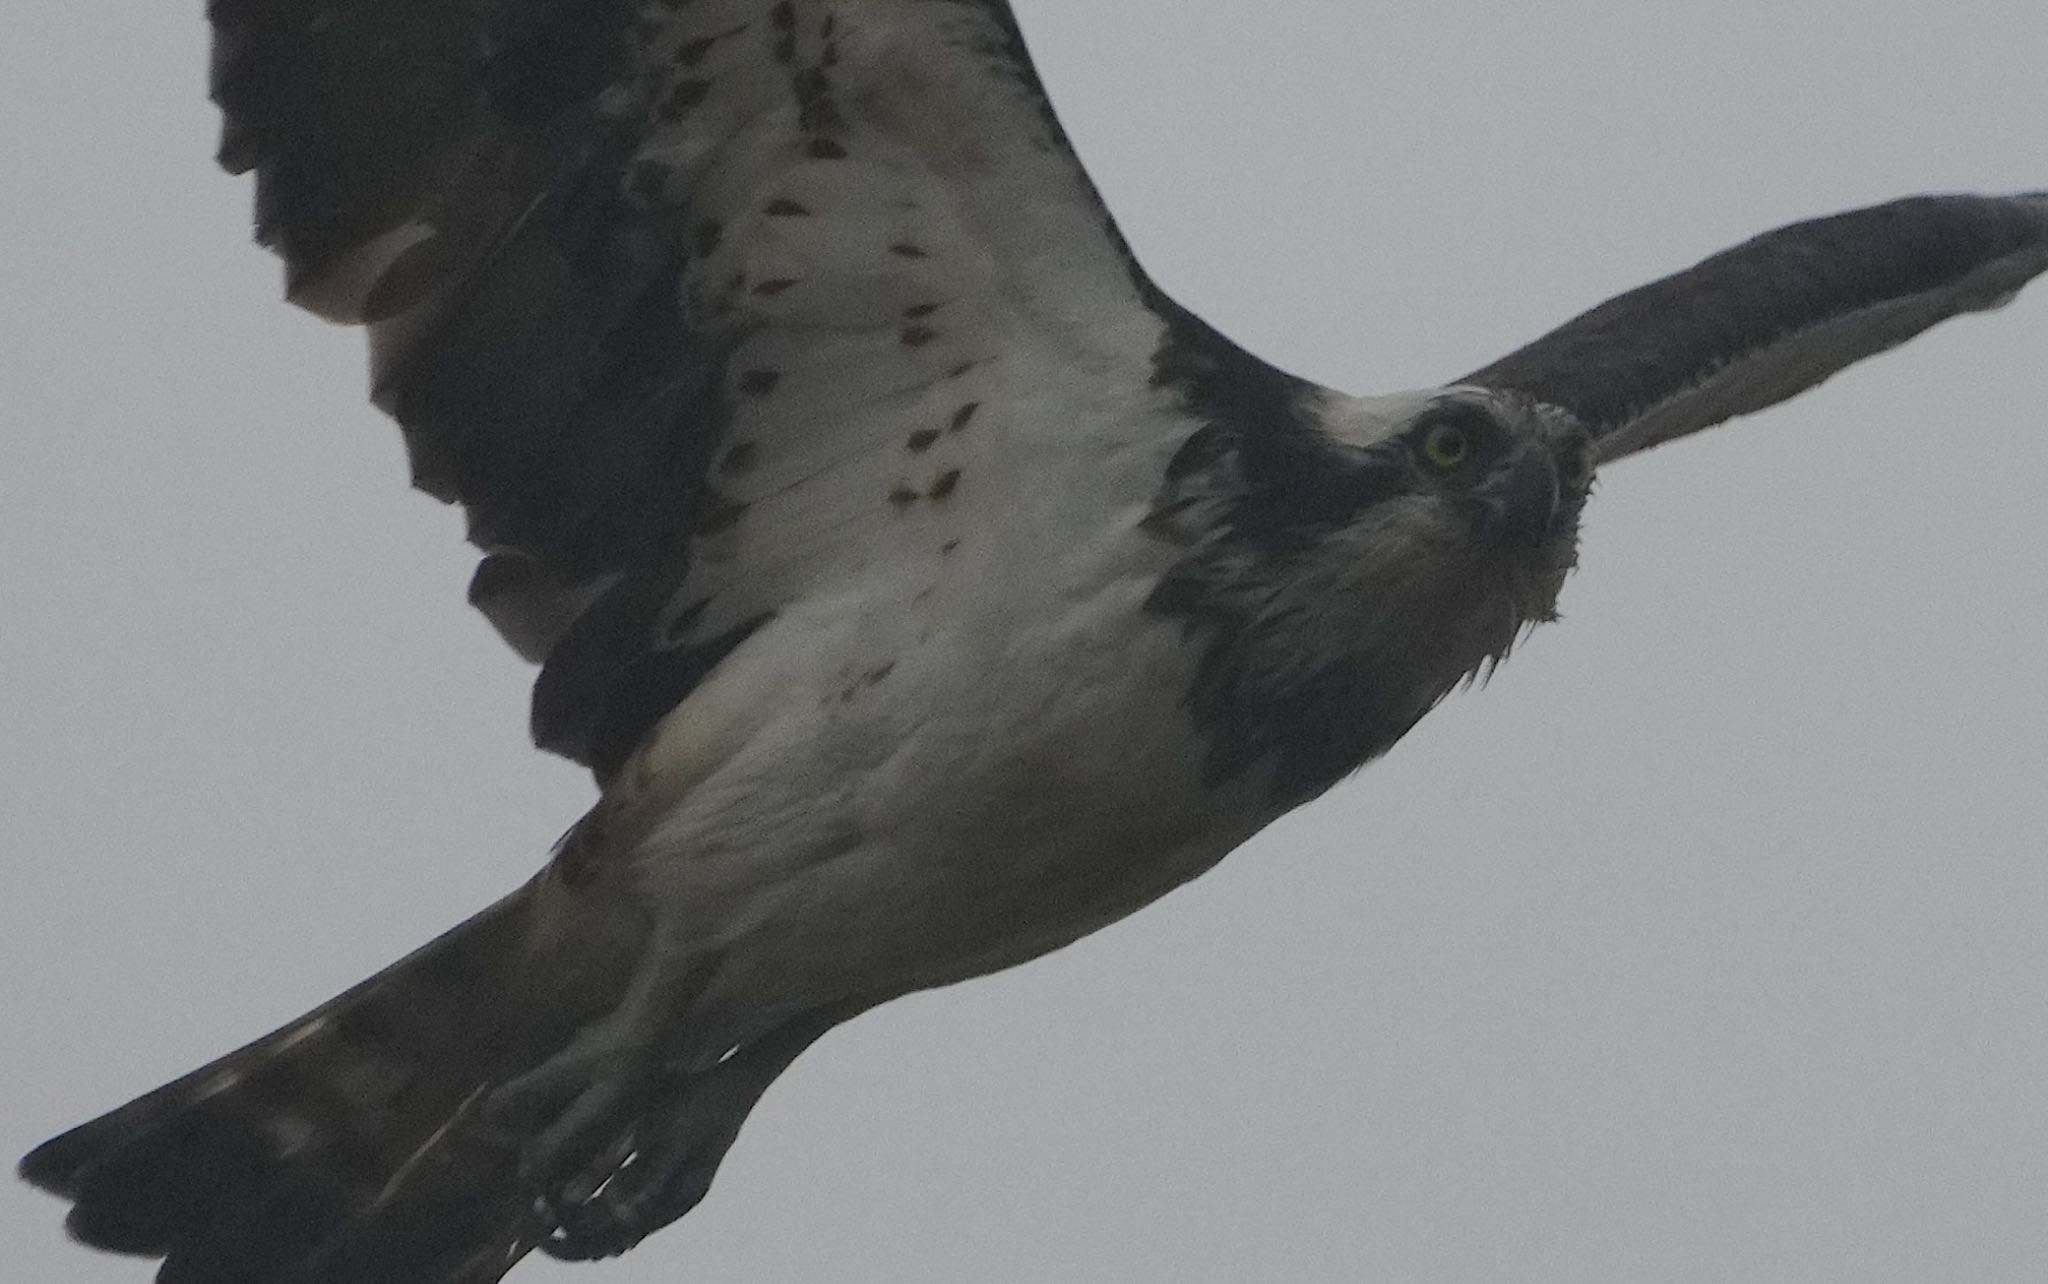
924	587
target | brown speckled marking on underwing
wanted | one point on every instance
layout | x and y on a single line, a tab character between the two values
783	207
902	495
825	149
709	233
759	383
919	311
949	546
686	94
742	456
963	416
921	440
944	485
827	25
783	16
773	286
691	52
905	250
813	90
867	681
916	336
960	370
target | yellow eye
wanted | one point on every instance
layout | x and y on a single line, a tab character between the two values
1446	446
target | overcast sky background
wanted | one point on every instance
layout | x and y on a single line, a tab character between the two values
1710	942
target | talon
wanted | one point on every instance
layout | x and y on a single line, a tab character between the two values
591	1231
582	1187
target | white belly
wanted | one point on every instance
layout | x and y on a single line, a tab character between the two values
940	792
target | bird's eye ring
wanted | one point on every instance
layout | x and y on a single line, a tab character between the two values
1446	446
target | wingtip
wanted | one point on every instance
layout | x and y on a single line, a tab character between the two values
2032	208
40	1169
2039	200
58	1165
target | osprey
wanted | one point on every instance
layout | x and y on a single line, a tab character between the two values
924	588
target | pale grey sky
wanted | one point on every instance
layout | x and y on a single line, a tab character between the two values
1706	944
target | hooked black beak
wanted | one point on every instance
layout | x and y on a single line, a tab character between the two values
1521	499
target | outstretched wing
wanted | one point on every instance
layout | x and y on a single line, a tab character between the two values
689	302
1776	315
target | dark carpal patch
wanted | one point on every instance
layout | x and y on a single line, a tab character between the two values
608	682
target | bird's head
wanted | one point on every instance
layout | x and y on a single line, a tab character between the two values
1461	518
1350	573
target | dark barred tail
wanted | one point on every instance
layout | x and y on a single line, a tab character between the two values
346	1147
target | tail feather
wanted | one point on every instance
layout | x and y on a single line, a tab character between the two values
342	1147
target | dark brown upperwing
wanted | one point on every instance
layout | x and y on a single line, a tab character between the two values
1761	322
